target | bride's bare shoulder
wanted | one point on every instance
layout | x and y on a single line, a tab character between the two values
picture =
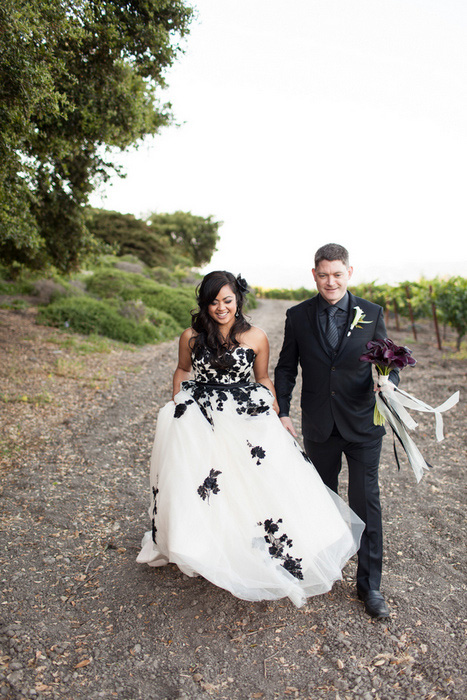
254	338
187	336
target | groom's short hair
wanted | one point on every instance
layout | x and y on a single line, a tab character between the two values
332	251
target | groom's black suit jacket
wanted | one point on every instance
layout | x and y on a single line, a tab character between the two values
337	388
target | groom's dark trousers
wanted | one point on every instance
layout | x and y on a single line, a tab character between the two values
337	403
363	494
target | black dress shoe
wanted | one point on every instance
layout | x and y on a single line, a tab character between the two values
375	605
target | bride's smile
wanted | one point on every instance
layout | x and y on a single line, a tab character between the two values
222	309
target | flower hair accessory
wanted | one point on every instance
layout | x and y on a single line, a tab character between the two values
359	317
242	284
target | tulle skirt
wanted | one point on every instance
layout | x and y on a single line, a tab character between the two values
235	500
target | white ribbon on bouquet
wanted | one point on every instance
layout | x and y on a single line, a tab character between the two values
392	405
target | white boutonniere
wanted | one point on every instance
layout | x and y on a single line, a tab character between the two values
359	317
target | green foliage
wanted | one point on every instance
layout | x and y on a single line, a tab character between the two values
87	316
164	322
47	290
176	302
451	301
130	236
418	295
77	79
163	240
192	236
111	282
165	275
128	286
36	399
15	304
12	288
299	294
94	343
114	260
378	294
250	303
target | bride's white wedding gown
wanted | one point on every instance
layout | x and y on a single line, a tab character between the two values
233	497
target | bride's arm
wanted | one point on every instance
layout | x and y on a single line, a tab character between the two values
182	373
260	345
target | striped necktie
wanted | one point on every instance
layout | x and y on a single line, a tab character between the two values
332	334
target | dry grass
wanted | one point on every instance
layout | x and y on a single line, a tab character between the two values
46	375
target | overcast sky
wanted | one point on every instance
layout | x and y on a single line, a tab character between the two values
316	121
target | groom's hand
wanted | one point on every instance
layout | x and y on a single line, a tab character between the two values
288	425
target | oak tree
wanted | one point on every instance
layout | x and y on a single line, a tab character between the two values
78	79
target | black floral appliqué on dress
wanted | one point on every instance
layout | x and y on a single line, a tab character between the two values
154	513
214	387
209	485
277	546
180	408
256	452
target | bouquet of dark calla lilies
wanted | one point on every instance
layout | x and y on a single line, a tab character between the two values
391	402
386	355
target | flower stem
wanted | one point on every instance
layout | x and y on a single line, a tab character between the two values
378	418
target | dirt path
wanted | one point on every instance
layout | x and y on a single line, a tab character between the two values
81	620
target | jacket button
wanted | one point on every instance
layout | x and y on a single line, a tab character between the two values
333	369
333	393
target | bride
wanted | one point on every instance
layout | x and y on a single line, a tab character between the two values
233	498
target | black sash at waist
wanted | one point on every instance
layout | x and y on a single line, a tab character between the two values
220	385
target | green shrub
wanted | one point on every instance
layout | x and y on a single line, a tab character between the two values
451	302
291	294
176	302
176	277
126	266
164	323
164	275
112	283
12	288
46	290
86	315
250	303
129	259
15	305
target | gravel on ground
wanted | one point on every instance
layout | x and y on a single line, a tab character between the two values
80	620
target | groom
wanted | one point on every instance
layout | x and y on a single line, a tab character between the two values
338	400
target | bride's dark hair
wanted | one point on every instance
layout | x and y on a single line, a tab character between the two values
207	330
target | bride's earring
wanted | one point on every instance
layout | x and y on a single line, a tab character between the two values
237	314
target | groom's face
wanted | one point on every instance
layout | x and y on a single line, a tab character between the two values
332	278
